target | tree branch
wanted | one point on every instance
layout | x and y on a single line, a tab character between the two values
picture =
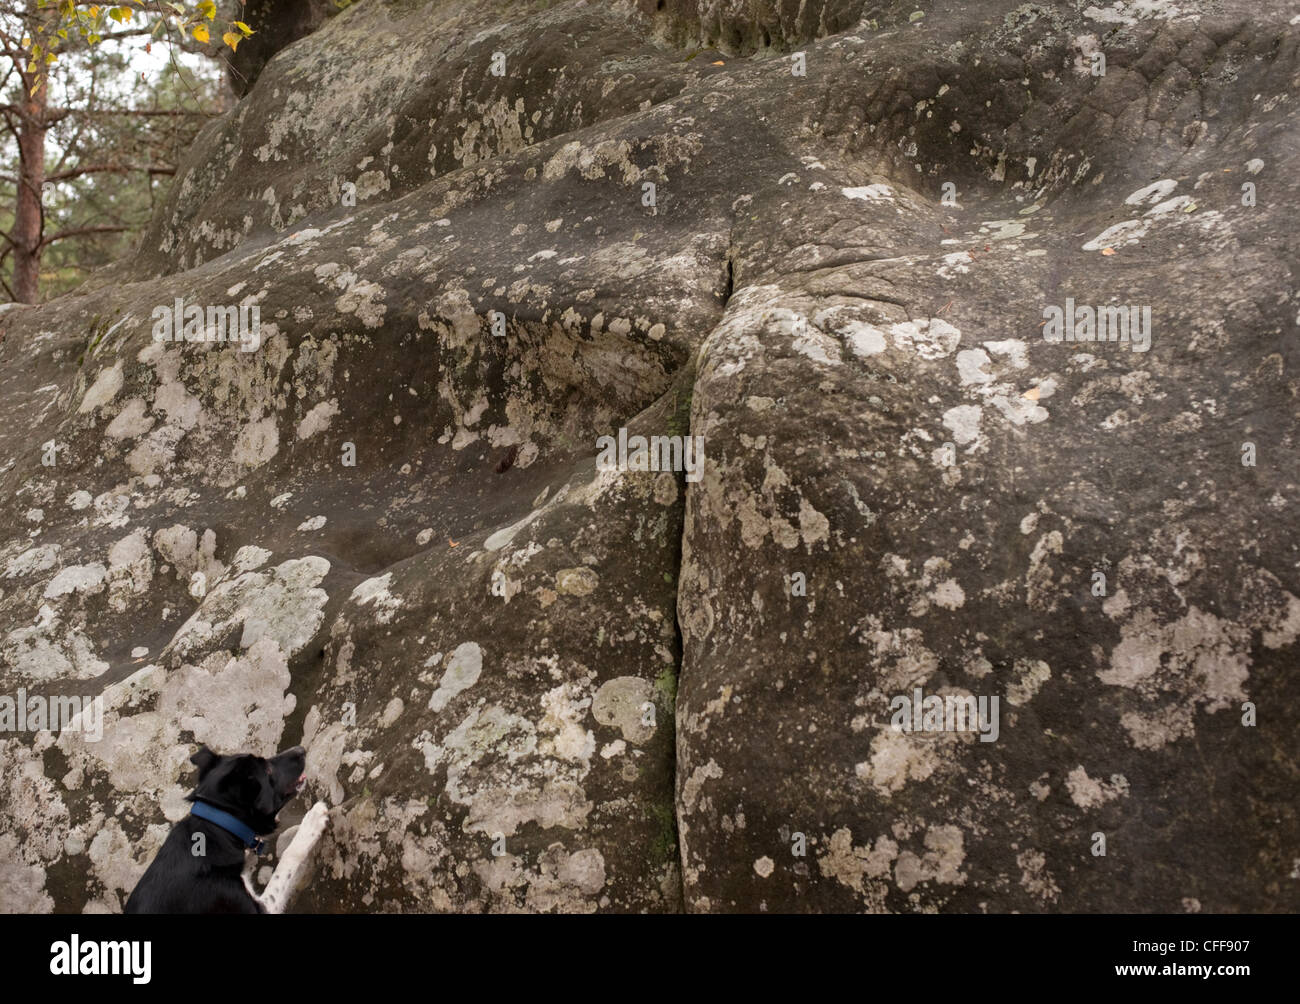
56	114
77	172
80	232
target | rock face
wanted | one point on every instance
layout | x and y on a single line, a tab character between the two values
824	241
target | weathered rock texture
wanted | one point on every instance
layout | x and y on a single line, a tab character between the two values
487	643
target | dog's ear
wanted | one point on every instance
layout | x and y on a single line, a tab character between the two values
203	760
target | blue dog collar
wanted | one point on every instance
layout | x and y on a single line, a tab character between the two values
228	823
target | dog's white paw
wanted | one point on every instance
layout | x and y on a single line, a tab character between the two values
289	872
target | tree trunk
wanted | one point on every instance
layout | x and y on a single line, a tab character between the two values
27	211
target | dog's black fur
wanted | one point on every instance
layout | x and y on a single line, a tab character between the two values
253	790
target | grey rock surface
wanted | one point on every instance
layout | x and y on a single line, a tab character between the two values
827	245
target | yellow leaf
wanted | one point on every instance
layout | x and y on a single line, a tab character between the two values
208	9
243	28
200	32
232	40
1107	250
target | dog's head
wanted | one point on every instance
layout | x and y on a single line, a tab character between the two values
251	788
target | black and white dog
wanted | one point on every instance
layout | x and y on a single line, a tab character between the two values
199	868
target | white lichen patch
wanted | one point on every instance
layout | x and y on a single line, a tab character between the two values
234	703
580	581
104	389
1150	194
963	421
463	667
374	593
1027	679
131	422
494	769
932	338
77	579
940	862
625	703
1129	12
1088	793
1119	235
814	344
130	569
1198	662
50	650
250	557
869	193
1035	878
284	604
257	443
318	419
864	869
33	560
898	758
